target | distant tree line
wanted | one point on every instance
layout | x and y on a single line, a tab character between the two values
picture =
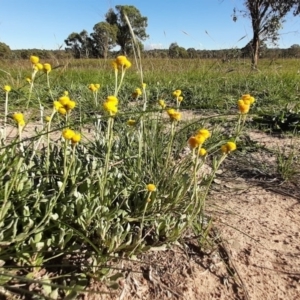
174	51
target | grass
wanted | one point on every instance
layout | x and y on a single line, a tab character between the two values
62	197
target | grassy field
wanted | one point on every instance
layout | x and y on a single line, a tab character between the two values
96	174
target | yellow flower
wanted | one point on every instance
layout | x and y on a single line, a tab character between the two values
70	105
7	88
144	85
47	118
92	87
202	152
180	99
110	107
121	60
131	122
162	103
193	143
228	147
21	123
38	67
151	187
57	105
66	93
127	64
248	98
97	86
176	116
47	68
28	79
18	117
34	59
62	110
170	111
196	141
176	93
76	138
243	107
112	99
68	134
138	91
64	100
204	132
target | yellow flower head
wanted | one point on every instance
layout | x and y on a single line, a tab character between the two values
62	111
28	79
47	118
243	106
70	105
162	103
64	100
7	88
47	68
196	141
176	93
202	152
144	85
175	115
34	59
180	98
204	132
57	105
68	134
66	93
170	111
76	138
110	107
228	147
151	187
127	64
131	122
92	87
18	117
138	91
38	67
112	99
97	86
121	60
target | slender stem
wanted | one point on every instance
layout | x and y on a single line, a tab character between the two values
5	114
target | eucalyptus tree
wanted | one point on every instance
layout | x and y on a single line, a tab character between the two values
104	38
137	21
266	17
80	44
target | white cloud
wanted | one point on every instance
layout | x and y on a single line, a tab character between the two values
153	46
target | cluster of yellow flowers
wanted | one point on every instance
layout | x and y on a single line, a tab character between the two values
245	103
37	66
196	141
64	104
121	62
177	94
94	87
71	135
228	147
19	118
111	105
174	114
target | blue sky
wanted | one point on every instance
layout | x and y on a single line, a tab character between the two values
201	24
